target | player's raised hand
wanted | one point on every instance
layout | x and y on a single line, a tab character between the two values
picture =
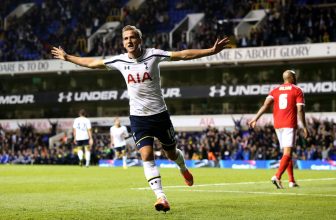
252	123
58	53
220	44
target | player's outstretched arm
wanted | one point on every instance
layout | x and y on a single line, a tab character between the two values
74	135
92	63
268	102
90	137
219	45
302	118
112	142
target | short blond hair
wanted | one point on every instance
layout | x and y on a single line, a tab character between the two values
132	28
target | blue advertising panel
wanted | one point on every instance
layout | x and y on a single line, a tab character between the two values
201	163
249	164
119	163
233	164
106	163
316	165
238	164
189	163
159	163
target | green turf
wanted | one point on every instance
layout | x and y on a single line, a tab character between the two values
69	192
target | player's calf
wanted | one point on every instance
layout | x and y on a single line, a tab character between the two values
188	177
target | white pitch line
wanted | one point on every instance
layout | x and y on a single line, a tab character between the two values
231	184
251	192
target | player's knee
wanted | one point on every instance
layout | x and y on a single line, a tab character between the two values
147	153
147	157
287	151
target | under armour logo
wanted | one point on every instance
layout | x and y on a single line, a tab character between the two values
146	65
217	92
62	96
127	67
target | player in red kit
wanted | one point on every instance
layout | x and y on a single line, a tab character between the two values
288	102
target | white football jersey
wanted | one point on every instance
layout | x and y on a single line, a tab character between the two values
82	124
142	76
119	134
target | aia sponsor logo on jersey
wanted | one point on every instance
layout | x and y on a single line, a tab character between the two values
137	78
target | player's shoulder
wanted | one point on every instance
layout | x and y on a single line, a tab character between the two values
156	52
116	58
114	128
286	87
297	88
82	119
275	88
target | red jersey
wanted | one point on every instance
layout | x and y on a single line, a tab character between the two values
286	97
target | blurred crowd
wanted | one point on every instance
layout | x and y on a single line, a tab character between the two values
259	144
240	143
64	23
70	23
294	24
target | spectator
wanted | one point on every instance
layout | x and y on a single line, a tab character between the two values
57	22
258	144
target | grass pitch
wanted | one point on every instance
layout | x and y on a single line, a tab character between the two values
69	192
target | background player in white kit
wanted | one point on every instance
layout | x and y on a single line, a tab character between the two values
148	112
83	137
118	135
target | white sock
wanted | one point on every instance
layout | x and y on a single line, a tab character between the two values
80	154
153	177
180	160
87	157
124	158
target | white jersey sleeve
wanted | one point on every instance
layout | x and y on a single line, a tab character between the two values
142	76
125	132
82	124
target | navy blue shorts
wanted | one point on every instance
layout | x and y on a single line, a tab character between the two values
145	128
82	143
120	149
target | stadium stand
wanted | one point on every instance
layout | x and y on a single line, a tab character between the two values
28	147
64	23
56	23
